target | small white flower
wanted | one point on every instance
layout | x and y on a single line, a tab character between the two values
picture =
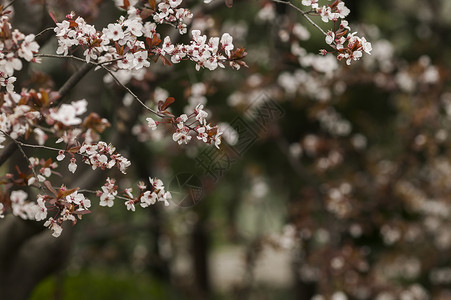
60	156
330	37
152	123
130	205
54	226
72	166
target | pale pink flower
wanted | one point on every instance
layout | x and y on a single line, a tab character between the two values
151	123
54	226
130	204
72	165
60	156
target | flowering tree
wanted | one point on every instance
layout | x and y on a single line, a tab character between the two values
60	136
122	49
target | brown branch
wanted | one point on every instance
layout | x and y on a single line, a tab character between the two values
72	82
303	13
63	91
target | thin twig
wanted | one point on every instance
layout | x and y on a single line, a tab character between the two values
19	145
78	58
44	31
102	65
9	4
95	192
63	91
131	93
37	146
303	13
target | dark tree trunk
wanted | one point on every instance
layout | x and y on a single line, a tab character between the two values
28	254
199	248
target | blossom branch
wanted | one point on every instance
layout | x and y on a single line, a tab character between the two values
19	146
44	31
102	65
63	91
303	13
131	92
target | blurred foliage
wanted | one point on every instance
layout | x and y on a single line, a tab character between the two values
393	155
97	284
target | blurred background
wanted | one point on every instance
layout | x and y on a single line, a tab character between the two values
332	182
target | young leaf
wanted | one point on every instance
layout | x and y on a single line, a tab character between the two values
166	103
53	17
153	4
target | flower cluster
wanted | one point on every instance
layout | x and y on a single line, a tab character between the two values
97	155
347	45
146	197
132	41
126	45
16	119
46	169
169	12
185	124
13	46
108	192
64	204
69	204
68	114
156	193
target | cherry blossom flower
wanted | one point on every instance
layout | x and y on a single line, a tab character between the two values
130	204
66	114
312	3
17	203
201	115
148	198
41	213
108	193
140	60
54	226
151	123
202	133
227	43
60	156
182	134
28	47
330	37
72	165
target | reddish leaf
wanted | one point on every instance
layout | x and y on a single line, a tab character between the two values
145	13
73	149
156	39
165	61
47	163
229	3
126	4
6	31
49	186
119	49
53	17
166	103
153	4
64	193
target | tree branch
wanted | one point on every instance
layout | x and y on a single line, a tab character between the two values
303	13
63	91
